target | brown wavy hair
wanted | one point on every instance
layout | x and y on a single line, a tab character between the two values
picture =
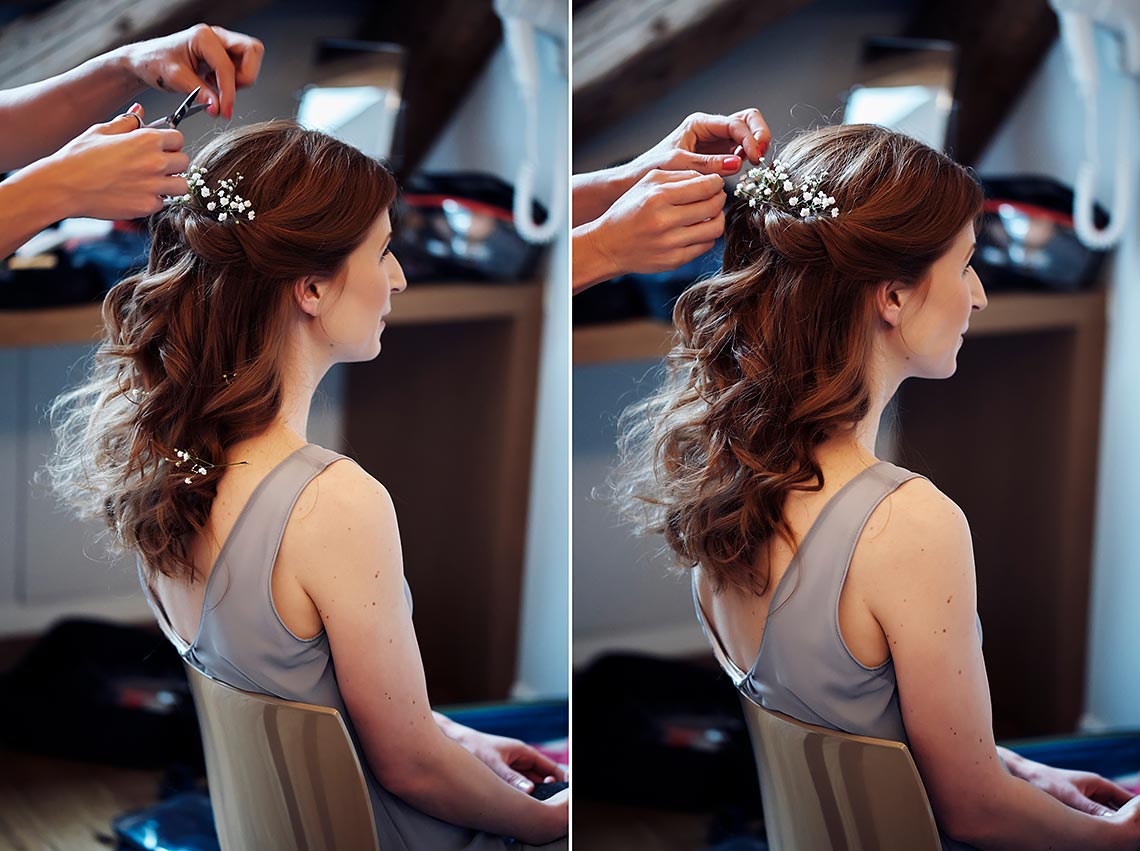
770	356
192	353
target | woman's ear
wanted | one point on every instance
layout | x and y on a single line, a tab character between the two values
308	293
889	300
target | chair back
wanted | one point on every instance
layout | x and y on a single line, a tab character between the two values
283	775
828	790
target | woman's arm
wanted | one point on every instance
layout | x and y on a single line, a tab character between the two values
350	544
919	561
513	760
52	111
709	144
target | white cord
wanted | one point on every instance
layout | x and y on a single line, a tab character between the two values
519	35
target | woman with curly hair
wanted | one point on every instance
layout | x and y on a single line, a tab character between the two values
271	563
835	587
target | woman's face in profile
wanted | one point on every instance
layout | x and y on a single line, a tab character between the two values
371	275
934	329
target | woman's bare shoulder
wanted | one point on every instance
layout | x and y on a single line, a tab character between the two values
341	516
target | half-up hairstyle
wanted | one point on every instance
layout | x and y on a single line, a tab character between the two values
771	354
193	349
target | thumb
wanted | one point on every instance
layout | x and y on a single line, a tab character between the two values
130	120
1094	809
518	781
713	163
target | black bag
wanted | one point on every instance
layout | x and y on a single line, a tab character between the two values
101	692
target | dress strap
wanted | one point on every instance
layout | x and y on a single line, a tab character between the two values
730	667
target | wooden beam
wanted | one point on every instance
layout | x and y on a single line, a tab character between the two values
448	44
629	52
55	39
1002	42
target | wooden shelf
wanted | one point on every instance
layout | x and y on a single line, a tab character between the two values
1007	313
423	303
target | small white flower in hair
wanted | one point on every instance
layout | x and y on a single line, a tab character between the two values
794	200
250	214
787	186
221	217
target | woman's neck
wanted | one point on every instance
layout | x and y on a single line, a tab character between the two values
303	371
859	440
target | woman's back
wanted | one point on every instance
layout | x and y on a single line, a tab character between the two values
241	638
814	623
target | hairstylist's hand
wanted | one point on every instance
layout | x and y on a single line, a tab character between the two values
218	60
516	762
665	220
710	144
116	170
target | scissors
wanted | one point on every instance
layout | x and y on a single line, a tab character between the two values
187	108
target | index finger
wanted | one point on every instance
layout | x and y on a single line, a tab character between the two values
535	763
1107	792
211	51
693	189
755	142
169	140
246	50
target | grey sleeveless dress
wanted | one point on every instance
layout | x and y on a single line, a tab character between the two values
804	668
242	641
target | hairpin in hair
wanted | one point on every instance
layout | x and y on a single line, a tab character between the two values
222	203
770	184
197	466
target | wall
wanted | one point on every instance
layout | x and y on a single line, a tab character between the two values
1045	135
487	134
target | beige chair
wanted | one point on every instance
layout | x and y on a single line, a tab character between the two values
829	791
283	776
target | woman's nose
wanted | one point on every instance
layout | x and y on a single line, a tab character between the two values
398	282
980	300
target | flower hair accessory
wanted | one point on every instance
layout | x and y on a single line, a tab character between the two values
770	184
222	203
196	466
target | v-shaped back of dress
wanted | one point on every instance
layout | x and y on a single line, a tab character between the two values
243	642
804	667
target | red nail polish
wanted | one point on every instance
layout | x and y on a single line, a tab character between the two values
732	163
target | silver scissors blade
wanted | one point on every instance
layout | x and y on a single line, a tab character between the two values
186	108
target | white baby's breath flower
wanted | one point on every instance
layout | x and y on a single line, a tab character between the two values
804	213
794	200
221	217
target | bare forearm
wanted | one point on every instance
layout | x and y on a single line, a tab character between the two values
590	266
1015	816
29	202
451	784
595	191
54	111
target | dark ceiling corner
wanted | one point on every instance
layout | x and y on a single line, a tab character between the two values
1002	43
630	52
448	44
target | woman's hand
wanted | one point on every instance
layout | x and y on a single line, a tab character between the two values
710	144
516	762
1082	790
667	219
116	170
218	60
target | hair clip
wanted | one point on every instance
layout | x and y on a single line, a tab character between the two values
197	466
222	203
772	185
